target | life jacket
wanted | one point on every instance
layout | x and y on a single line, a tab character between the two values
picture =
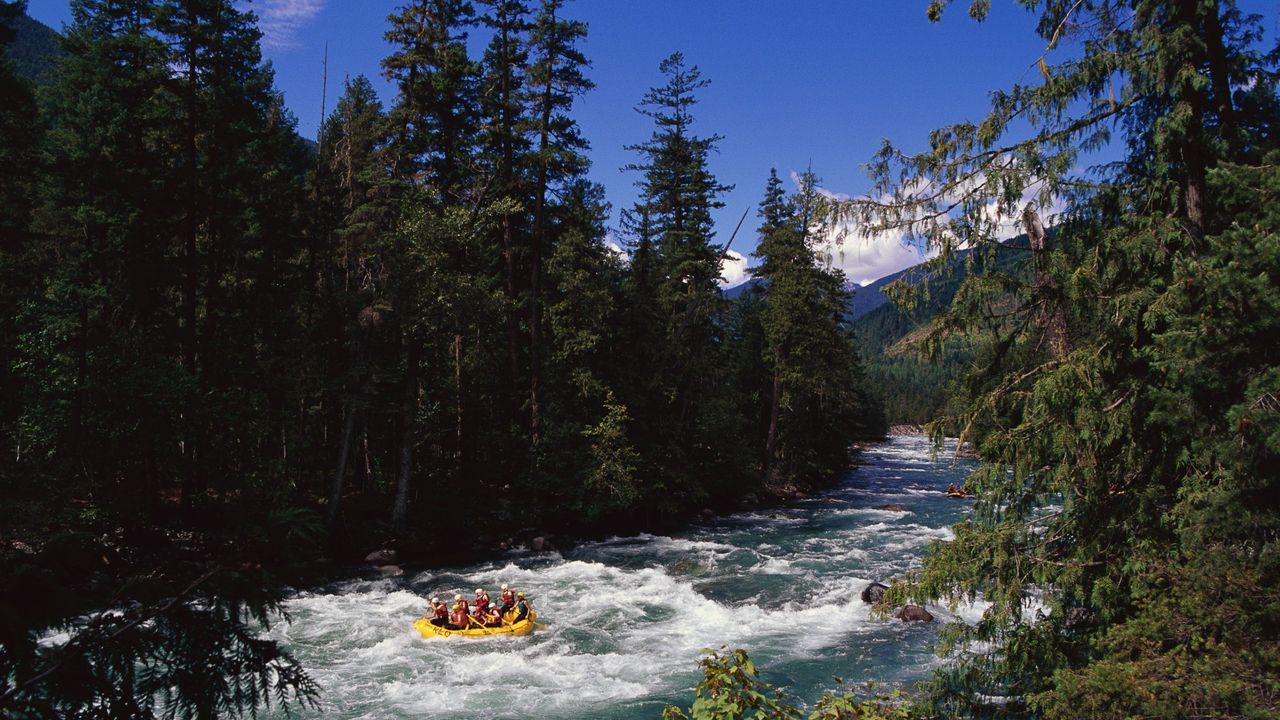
508	598
522	609
482	604
441	611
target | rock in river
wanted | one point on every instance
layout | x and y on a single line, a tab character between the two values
914	613
873	593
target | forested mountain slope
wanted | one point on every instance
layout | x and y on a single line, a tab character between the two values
34	50
911	375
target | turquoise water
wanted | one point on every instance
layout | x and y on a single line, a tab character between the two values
627	618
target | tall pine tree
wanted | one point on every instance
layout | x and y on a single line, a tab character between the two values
817	397
679	400
1123	386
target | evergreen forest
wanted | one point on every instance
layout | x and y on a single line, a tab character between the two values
226	353
233	360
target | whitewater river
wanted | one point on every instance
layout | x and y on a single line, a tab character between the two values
627	618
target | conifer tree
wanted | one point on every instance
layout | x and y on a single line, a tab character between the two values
505	147
555	80
681	264
237	186
20	129
587	437
433	133
433	119
817	400
107	276
1129	472
353	192
105	383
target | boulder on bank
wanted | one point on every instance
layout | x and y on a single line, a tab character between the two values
894	507
390	571
382	557
873	594
914	613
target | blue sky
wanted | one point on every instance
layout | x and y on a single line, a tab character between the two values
794	84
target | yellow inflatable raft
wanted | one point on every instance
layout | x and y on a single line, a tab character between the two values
524	627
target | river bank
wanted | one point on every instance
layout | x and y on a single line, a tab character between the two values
484	542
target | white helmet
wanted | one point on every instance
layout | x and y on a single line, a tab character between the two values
504	586
479	590
457	597
435	600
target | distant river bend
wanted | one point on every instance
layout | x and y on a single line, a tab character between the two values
627	618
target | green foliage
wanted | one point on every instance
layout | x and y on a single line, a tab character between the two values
849	706
130	490
731	689
1122	384
817	402
683	410
612	478
20	135
181	641
222	356
912	356
434	114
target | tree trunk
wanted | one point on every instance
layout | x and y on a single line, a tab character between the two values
340	472
513	324
771	439
457	398
1219	73
535	271
408	412
366	463
1194	154
190	262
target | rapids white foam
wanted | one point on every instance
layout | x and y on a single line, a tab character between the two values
627	618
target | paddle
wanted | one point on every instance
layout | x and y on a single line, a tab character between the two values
488	630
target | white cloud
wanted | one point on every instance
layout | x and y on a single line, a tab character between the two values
865	259
733	269
282	20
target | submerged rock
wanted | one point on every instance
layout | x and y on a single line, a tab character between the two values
873	593
390	570
914	613
894	507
